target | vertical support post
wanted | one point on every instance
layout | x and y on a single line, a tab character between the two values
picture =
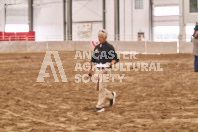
103	14
132	11
117	19
151	20
5	6
30	15
182	33
124	20
69	19
64	21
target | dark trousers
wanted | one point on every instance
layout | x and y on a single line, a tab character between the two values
196	63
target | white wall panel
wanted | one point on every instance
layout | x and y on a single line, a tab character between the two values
128	20
185	47
45	2
87	10
125	20
2	12
2	15
165	2
48	21
141	20
166	23
189	17
165	18
16	19
17	14
110	19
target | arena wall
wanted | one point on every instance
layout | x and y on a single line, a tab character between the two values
161	47
185	47
131	46
4	47
140	47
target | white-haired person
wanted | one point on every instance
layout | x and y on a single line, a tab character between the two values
104	56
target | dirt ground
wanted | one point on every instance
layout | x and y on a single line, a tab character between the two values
151	101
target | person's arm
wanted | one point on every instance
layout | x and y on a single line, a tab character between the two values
91	63
90	70
112	62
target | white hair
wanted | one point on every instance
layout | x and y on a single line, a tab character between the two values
103	32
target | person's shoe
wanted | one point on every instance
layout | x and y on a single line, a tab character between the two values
112	101
100	109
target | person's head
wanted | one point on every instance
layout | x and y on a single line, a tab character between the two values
102	36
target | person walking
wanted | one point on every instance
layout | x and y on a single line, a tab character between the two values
104	56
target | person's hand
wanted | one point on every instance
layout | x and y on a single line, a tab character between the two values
90	73
109	64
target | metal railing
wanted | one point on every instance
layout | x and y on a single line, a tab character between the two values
17	38
156	38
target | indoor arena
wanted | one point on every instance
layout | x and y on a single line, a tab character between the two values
98	66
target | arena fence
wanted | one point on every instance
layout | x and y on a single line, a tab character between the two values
138	47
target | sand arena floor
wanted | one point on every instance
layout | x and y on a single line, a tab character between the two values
146	101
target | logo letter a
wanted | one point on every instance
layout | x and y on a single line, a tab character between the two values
48	61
